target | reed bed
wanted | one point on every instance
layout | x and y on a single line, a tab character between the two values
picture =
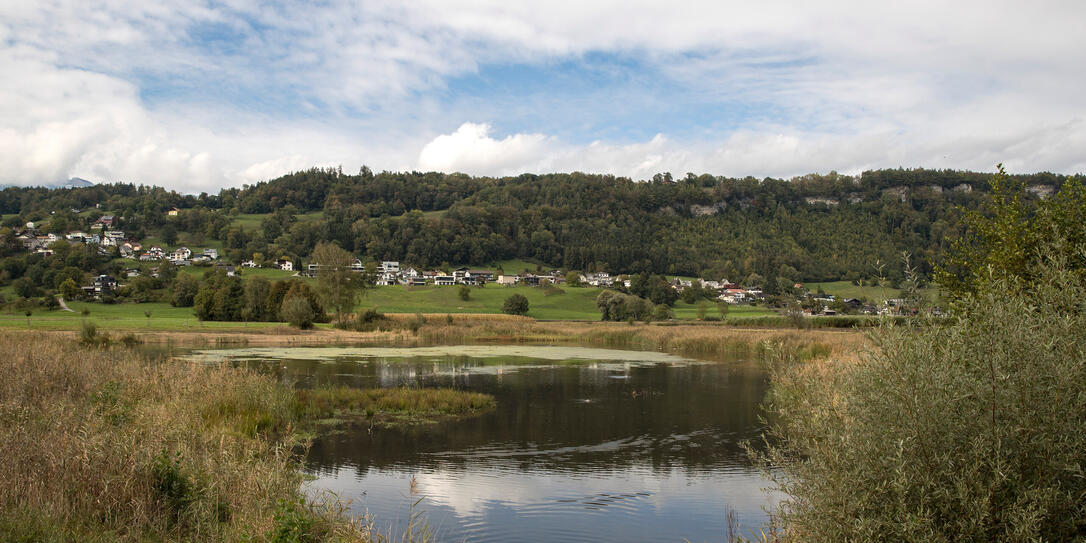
460	318
103	445
417	403
688	340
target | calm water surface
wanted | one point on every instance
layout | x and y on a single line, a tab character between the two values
585	444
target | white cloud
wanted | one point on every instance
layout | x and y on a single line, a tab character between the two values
471	150
263	88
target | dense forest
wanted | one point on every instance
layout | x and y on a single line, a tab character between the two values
810	228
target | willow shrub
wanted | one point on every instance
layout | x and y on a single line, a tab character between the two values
967	430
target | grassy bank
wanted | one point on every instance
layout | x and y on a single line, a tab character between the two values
388	406
695	340
702	339
104	445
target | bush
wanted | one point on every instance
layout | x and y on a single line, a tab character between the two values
366	321
616	306
962	431
88	335
464	292
298	312
516	304
416	323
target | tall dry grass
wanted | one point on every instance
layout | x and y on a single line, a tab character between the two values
103	445
687	340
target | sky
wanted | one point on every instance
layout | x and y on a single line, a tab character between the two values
196	96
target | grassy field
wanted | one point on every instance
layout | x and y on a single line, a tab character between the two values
685	311
559	303
515	266
574	304
120	316
271	274
251	221
846	289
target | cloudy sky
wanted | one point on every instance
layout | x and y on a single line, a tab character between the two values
200	95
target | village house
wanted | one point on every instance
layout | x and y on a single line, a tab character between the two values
733	295
180	254
507	280
106	221
388	266
248	263
213	254
46	240
230	270
478	277
285	263
104	284
459	274
598	279
112	238
173	212
444	280
154	253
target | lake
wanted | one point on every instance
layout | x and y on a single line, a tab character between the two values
585	445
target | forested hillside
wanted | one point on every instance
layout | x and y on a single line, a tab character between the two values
811	228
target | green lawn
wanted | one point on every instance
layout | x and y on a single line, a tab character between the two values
574	304
251	221
685	311
272	274
513	266
845	289
114	316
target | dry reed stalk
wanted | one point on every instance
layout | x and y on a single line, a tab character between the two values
103	445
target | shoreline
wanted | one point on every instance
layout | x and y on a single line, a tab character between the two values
687	339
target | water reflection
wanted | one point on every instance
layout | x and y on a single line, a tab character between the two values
585	448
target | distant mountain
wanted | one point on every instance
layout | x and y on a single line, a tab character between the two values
74	183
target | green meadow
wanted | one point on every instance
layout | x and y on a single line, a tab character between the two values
557	303
845	289
119	316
